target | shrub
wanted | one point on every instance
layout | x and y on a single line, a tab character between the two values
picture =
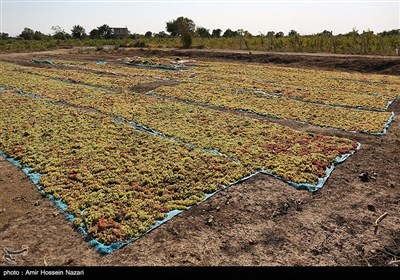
186	40
139	44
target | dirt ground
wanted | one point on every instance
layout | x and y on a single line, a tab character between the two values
261	222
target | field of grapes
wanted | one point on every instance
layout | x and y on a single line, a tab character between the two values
122	145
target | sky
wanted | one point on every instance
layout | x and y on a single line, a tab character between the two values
258	16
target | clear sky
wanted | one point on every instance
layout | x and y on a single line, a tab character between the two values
306	17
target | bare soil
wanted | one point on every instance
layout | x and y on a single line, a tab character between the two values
261	222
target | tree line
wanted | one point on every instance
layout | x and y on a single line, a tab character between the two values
185	30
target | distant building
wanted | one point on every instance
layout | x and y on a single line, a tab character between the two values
120	32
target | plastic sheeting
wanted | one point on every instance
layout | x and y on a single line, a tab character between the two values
177	67
44	61
107	249
165	67
34	178
386	126
321	181
384	130
322	103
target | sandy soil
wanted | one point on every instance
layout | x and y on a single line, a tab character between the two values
261	222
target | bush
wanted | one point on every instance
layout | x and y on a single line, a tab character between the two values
187	40
139	44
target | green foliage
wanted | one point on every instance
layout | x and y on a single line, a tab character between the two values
349	43
148	34
187	40
94	34
270	34
216	33
139	44
3	36
325	33
161	34
27	34
39	36
293	33
229	33
105	31
180	26
78	32
59	36
394	32
203	32
102	32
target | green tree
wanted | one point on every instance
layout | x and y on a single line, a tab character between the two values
58	32
4	36
203	32
59	36
229	33
105	32
94	34
78	32
161	34
279	34
293	33
38	35
134	36
325	33
180	26
393	32
216	33
102	32
353	33
148	34
27	34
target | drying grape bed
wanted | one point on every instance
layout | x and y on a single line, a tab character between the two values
121	160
